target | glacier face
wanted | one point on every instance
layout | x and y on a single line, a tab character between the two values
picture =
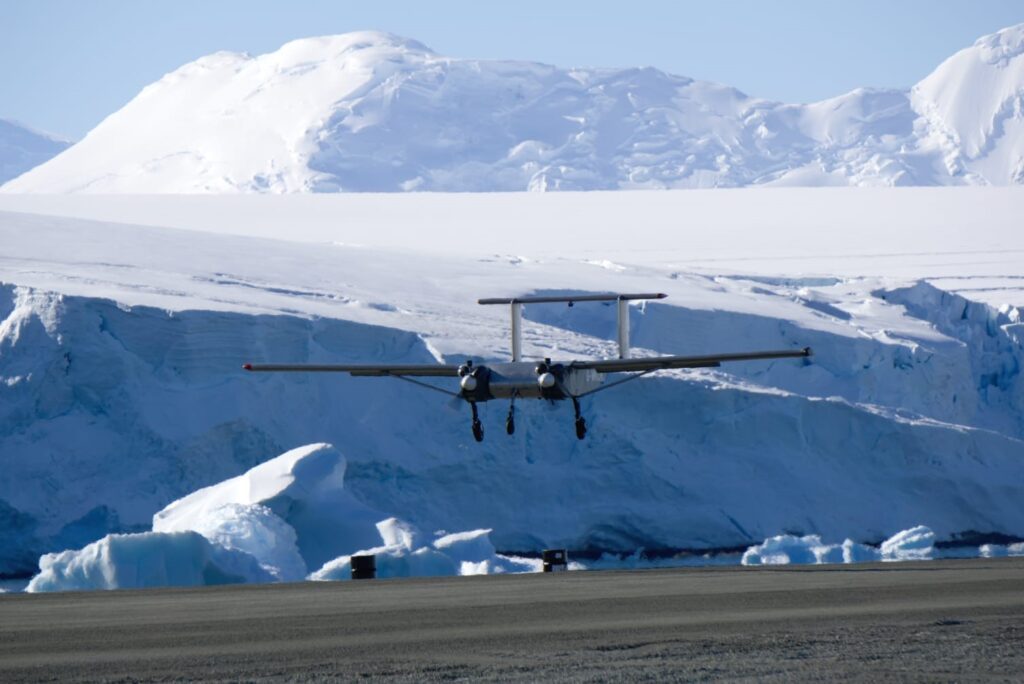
112	411
373	112
22	149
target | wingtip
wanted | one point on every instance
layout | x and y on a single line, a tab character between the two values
808	352
247	366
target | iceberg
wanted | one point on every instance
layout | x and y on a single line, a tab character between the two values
916	543
461	553
1001	551
785	549
302	489
258	531
251	528
151	559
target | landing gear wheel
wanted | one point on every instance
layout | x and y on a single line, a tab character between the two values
478	429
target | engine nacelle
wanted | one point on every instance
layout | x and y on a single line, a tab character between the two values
475	382
546	380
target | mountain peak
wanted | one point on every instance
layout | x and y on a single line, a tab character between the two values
358	49
355	41
1002	46
972	103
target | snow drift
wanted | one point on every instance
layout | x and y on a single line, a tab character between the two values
371	111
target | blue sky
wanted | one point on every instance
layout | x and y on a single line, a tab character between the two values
66	64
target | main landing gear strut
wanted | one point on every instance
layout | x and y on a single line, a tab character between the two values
510	420
581	424
478	429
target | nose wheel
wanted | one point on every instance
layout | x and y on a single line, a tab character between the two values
478	428
581	423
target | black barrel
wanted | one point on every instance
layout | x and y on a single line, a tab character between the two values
364	567
555	560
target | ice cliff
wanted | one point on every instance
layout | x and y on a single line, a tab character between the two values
110	412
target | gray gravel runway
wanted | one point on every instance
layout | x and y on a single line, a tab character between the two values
939	620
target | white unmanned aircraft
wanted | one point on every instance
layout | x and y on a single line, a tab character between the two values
545	379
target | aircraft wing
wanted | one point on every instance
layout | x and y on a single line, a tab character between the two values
663	362
433	370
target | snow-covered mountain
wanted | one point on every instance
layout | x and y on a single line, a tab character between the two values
372	111
972	109
22	148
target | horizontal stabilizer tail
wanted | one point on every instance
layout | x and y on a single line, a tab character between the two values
570	299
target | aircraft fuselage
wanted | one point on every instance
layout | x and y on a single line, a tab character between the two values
526	380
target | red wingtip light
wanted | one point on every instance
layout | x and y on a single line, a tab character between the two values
247	366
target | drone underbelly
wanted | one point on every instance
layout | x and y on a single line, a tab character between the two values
520	380
507	389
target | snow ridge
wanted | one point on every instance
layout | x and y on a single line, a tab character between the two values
370	111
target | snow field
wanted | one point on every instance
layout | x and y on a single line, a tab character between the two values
509	239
